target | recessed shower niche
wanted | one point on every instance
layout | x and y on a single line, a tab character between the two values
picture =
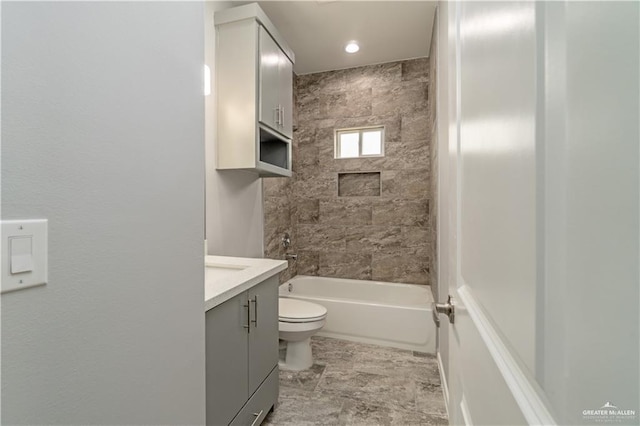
359	184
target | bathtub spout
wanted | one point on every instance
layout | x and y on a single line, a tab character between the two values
291	256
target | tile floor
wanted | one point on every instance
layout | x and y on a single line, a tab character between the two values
358	384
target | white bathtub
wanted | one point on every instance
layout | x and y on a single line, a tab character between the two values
388	314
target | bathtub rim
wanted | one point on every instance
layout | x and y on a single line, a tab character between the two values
423	305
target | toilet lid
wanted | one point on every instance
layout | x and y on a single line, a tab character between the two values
295	310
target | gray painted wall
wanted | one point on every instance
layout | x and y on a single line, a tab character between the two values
234	198
102	132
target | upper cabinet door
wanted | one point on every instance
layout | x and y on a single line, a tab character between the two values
286	95
269	104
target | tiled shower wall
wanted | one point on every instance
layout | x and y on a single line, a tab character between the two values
280	214
382	237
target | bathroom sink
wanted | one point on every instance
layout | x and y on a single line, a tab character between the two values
227	276
217	271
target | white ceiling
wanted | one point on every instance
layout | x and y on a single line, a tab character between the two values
317	31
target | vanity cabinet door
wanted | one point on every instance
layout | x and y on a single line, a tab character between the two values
227	356
263	338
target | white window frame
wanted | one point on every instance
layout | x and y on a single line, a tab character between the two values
359	131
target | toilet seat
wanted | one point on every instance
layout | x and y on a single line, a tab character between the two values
299	311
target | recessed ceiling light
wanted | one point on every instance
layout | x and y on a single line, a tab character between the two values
351	47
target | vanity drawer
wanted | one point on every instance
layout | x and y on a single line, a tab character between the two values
258	406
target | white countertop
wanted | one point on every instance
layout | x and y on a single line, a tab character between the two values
226	277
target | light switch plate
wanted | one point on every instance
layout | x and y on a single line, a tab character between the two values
27	272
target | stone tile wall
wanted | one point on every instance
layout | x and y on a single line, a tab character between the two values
385	237
280	213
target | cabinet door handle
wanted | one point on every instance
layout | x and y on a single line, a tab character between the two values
255	311
248	306
276	110
257	417
282	119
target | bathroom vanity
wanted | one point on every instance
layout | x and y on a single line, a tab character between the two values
241	304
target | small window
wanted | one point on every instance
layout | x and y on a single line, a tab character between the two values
364	142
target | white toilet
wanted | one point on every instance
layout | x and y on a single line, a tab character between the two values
298	321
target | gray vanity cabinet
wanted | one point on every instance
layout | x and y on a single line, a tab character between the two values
242	356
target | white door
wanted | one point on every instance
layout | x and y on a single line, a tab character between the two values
494	196
541	108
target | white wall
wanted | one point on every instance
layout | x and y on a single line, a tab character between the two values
102	133
234	213
591	333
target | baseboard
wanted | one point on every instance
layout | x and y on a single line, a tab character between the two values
443	383
379	342
464	410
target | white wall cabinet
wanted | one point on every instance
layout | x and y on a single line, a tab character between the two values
242	356
254	90
276	86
